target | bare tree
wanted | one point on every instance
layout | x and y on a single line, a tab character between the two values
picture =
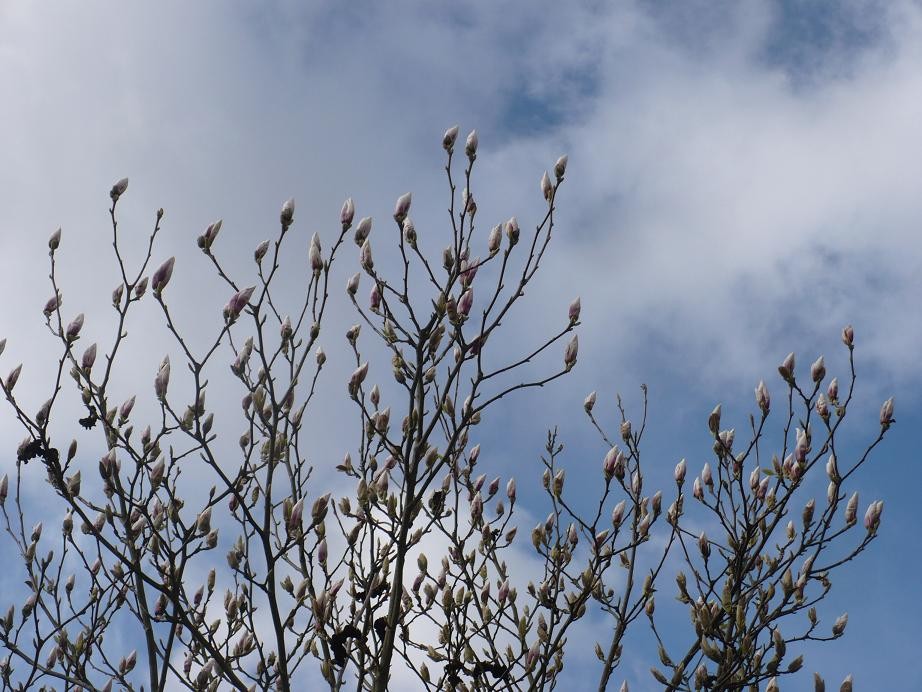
323	587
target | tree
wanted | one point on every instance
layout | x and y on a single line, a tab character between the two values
313	582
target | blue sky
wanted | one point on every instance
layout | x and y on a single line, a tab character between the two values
743	182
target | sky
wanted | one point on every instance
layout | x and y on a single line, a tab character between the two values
742	182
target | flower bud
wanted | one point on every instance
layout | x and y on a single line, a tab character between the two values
589	402
561	167
162	276
679	473
470	146
314	256
886	413
763	399
714	420
848	336
52	304
13	377
786	369
448	139
818	370
162	380
569	356
261	251
89	357
510	490
347	213
494	240
546	188
287	215
617	514
573	311
402	207
851	509
838	626
832	391
352	285
55	240
362	230
365	257
73	330
512	231
118	189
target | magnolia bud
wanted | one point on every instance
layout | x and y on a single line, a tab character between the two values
848	336
763	400
314	256
546	188
786	369
347	213
494	240
470	146
818	370
679	473
287	214
89	357
561	167
353	284
569	356
402	207
589	402
365	256
73	331
261	251
573	311
512	231
886	413
55	240
118	189
448	139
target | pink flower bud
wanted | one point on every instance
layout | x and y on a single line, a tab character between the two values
818	370
238	302
512	231
13	377
52	304
73	329
546	188
679	473
4	488
162	380
786	369
714	420
55	240
560	167
89	357
763	399
448	139
402	207
297	512
886	413
365	257
352	285
470	146
822	407
503	593
589	402
126	407
362	230
347	213
118	189
140	287
510	490
358	376
851	509
314	256
469	271
493	242
477	507
203	523
374	298
211	233
573	311
287	215
848	336
569	356
617	514
706	476
261	251
322	551
162	276
832	391
466	302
